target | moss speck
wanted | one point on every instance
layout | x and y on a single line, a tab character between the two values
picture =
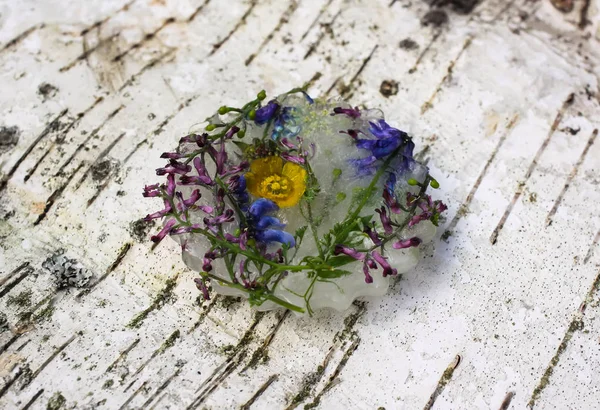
165	295
23	299
56	402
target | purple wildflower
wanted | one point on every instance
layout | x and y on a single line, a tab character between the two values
382	261
201	179
385	220
293	158
209	257
372	232
430	210
407	243
350	112
368	277
172	155
164	231
202	287
341	249
159	214
174	167
151	191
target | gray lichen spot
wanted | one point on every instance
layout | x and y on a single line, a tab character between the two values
3	322
67	272
9	137
57	401
47	90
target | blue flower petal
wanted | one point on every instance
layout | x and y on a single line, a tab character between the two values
262	206
273	235
266	221
266	113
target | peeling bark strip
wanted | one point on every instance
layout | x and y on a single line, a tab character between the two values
55	195
285	17
122	355
429	103
239	24
532	166
48	360
159	301
100	23
89	137
224	370
262	352
590	251
135	393
147	67
53	125
61	136
259	392
167	344
333	379
161	388
464	207
425	50
110	269
507	400
575	325
572	176
83	56
348	88
146	38
446	377
316	20
22	36
313	47
197	11
24	270
33	399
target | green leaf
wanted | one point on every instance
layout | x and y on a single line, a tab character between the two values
332	274
340	260
300	233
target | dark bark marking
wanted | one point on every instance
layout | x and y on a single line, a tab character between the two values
333	379
22	36
259	392
429	103
61	136
446	377
313	47
89	137
147	37
507	400
162	387
135	393
464	207
9	384
100	23
87	51
240	23
13	273
166	344
197	11
147	67
203	314
134	150
590	251
102	155
168	119
55	195
8	344
24	270
332	87
436	35
261	352
572	176
53	125
48	360
316	20
122	355
110	269
285	18
347	91
532	166
33	399
583	20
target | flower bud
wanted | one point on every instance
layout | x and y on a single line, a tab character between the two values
261	95
412	182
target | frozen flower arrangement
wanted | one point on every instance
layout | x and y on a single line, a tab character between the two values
296	203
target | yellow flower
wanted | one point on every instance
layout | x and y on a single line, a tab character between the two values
271	178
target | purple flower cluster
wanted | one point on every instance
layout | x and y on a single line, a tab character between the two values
430	210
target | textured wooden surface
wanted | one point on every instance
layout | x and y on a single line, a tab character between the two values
504	314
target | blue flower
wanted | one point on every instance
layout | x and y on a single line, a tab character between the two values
266	113
262	224
285	125
387	140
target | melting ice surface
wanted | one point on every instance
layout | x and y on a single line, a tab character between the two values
332	150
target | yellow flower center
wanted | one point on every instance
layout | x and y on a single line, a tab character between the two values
282	182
